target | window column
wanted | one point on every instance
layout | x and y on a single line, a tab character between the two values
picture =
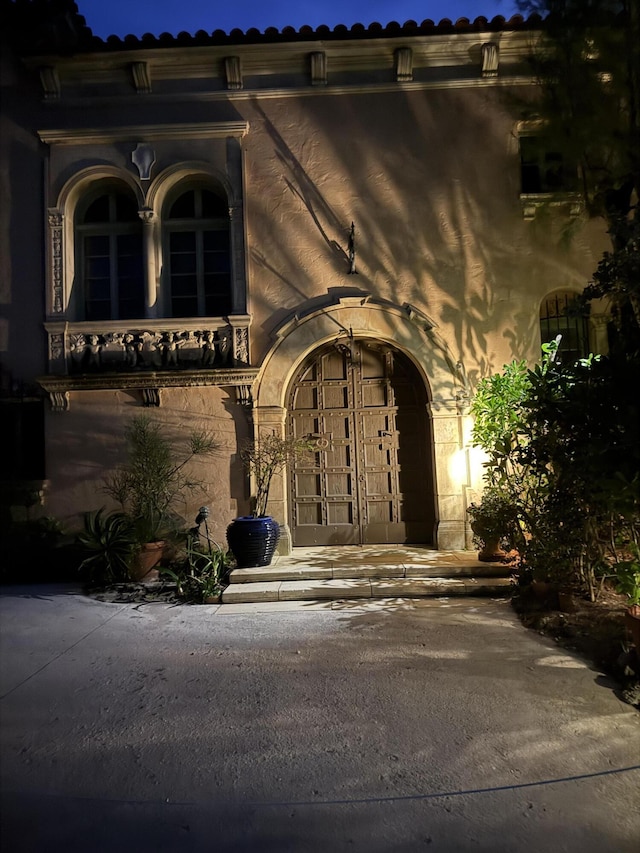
152	309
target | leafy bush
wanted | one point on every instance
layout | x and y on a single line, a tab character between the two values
563	442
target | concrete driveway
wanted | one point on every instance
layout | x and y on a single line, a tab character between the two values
435	725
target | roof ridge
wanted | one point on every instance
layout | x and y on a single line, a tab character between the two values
323	32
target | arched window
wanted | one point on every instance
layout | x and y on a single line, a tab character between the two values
560	314
110	260
199	256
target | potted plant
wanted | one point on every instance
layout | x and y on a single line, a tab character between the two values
253	538
492	521
150	483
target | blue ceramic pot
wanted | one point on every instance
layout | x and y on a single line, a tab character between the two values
253	540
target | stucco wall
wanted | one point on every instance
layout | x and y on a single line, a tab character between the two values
431	180
87	442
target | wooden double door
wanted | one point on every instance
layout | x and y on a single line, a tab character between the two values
369	478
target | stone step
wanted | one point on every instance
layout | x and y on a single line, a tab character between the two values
290	571
367	572
315	589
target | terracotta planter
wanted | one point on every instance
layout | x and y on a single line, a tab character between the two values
492	552
632	623
541	589
143	567
566	603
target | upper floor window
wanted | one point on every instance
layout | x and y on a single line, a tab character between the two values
109	257
543	169
198	254
561	315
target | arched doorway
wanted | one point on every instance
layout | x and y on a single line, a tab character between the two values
370	480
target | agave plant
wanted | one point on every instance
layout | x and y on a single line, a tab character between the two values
109	542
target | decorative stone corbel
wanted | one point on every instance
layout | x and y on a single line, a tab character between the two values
141	77
575	208
233	71
319	68
490	59
50	82
59	401
150	397
244	398
404	64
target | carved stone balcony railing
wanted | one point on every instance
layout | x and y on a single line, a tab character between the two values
148	355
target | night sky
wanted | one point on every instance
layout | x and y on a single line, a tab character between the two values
121	17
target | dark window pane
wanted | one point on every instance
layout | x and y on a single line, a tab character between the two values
184	285
217	290
184	307
553	171
214	206
98	288
182	263
216	240
98	210
182	241
217	305
97	268
129	244
184	207
544	170
216	262
560	315
530	178
216	283
129	266
98	245
131	301
98	310
126	209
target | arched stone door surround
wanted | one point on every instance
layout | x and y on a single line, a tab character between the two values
412	333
